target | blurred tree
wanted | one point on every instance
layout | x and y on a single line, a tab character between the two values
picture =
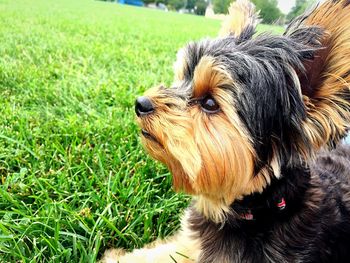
201	6
175	4
190	4
146	2
269	11
299	8
221	6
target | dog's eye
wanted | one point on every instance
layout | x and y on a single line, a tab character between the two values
209	105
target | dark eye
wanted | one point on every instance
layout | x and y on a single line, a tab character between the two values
209	105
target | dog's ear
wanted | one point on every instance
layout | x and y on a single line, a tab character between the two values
241	20
325	79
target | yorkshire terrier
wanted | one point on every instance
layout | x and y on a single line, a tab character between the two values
250	128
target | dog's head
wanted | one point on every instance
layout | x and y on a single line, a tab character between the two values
238	110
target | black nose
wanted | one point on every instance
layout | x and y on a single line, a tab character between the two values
143	106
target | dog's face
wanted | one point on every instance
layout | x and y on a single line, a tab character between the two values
219	126
195	127
236	112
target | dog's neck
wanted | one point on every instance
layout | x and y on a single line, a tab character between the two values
280	199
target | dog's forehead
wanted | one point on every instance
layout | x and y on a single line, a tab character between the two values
248	64
192	53
192	56
245	61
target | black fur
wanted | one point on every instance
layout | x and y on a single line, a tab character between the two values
314	226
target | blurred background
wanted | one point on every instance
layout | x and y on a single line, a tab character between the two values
271	11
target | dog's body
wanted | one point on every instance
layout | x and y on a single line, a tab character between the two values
313	226
244	129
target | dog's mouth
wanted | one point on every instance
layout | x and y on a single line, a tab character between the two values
149	136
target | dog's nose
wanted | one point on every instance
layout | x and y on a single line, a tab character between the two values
143	106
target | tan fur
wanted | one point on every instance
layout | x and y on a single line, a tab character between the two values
213	209
328	117
179	65
241	14
209	75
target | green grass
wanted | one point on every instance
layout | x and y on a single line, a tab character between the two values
74	177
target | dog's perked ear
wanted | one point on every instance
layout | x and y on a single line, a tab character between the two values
325	80
241	21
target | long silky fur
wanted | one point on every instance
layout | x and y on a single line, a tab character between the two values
325	82
283	105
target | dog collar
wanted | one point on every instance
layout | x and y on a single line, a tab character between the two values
281	204
248	215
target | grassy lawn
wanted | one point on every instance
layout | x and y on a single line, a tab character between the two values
74	177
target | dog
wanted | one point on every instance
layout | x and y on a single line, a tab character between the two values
250	128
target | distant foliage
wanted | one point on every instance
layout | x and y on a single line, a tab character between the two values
221	6
269	11
200	7
299	8
190	4
175	4
196	6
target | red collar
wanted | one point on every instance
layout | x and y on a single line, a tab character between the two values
281	205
